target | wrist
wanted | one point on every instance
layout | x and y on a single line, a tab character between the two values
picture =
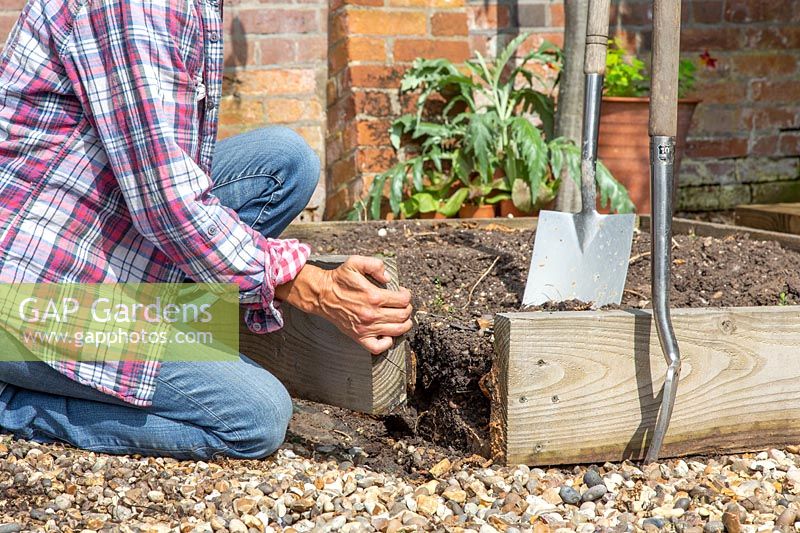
305	290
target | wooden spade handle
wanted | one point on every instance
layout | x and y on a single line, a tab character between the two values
666	55
596	37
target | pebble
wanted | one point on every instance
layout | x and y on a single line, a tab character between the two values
714	526
594	493
654	522
306	490
786	518
592	478
683	503
569	495
237	526
731	522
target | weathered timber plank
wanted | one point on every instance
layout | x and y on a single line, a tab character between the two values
586	386
317	362
784	218
308	230
710	229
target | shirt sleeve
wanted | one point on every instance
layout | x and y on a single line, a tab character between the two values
134	67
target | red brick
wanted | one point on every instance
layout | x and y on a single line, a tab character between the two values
744	11
312	49
277	50
714	38
375	76
406	50
557	16
722	92
425	3
6	23
366	49
707	11
382	22
772	118
277	82
716	119
277	20
288	110
373	159
778	37
765	64
717	148
337	57
765	145
775	90
342	172
373	132
449	24
489	16
239	52
341	113
373	103
789	143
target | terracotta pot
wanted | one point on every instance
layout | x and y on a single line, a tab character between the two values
476	211
624	144
507	208
432	214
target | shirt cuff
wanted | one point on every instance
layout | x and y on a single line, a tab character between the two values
285	258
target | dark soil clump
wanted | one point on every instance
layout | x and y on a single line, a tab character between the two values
462	276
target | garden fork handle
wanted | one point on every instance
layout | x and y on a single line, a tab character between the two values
663	127
594	67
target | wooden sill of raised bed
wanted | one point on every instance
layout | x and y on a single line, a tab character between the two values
315	361
584	387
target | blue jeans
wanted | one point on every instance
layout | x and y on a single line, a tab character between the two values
199	409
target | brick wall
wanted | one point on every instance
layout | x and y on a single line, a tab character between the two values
371	43
276	61
744	144
330	69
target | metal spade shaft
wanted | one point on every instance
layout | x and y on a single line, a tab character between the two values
663	126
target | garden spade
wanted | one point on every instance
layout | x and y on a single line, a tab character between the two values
583	256
663	126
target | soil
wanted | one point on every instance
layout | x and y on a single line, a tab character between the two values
460	277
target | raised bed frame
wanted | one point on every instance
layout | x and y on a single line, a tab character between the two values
579	387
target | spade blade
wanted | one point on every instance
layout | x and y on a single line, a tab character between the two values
581	256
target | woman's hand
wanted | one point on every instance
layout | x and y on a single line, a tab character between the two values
346	297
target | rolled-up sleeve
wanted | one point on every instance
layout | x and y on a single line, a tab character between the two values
138	83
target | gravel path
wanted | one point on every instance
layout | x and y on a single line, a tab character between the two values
57	488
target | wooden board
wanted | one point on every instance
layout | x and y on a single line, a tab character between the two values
317	362
784	218
581	387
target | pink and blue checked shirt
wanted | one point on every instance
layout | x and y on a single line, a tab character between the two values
108	120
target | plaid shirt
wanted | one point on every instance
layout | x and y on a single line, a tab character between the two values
108	120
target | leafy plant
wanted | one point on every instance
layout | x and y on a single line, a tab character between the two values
481	136
626	74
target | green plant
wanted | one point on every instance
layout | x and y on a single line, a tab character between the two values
473	139
626	74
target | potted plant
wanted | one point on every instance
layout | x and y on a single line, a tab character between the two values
624	142
480	137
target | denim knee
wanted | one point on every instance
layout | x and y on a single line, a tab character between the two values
303	163
267	411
